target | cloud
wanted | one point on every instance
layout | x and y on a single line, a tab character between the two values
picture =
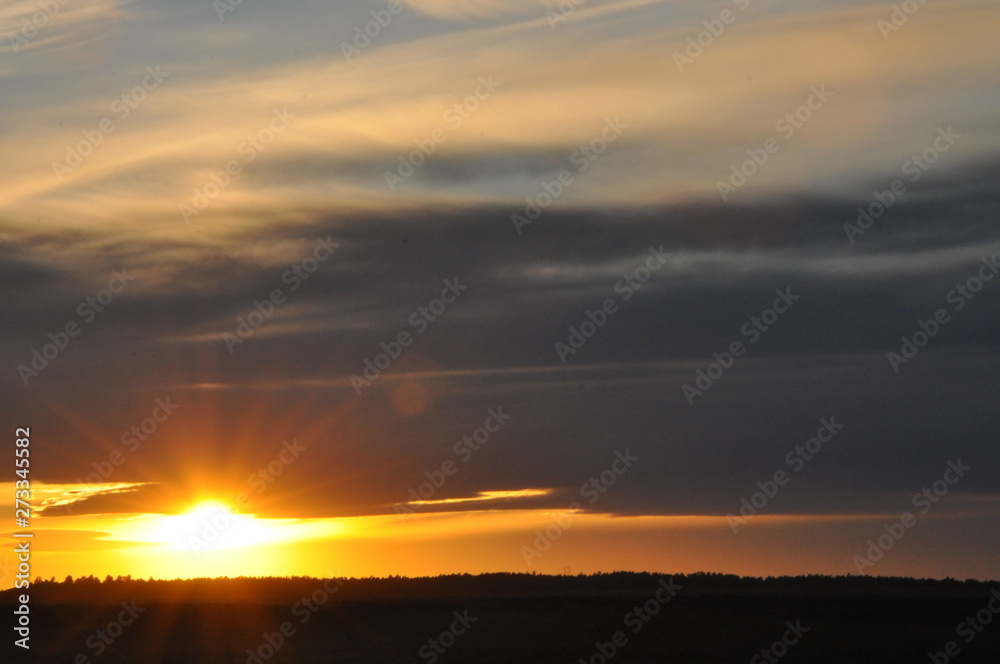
467	10
47	498
482	496
495	346
76	35
685	130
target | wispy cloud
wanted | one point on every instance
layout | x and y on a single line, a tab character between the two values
45	496
484	496
557	90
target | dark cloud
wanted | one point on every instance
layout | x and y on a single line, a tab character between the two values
495	346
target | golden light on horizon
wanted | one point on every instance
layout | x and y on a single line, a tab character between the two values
211	525
210	538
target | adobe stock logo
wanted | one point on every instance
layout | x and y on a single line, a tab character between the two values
249	148
796	459
463	450
635	620
925	500
593	489
698	43
753	330
122	106
786	127
626	287
294	276
381	18
958	297
583	158
899	17
455	117
60	340
31	27
914	168
420	319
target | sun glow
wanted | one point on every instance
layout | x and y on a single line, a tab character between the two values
212	525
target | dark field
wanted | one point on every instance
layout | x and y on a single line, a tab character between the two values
517	620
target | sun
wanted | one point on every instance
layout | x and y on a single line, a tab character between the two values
208	508
211	525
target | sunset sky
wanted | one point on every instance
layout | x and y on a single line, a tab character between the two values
299	271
